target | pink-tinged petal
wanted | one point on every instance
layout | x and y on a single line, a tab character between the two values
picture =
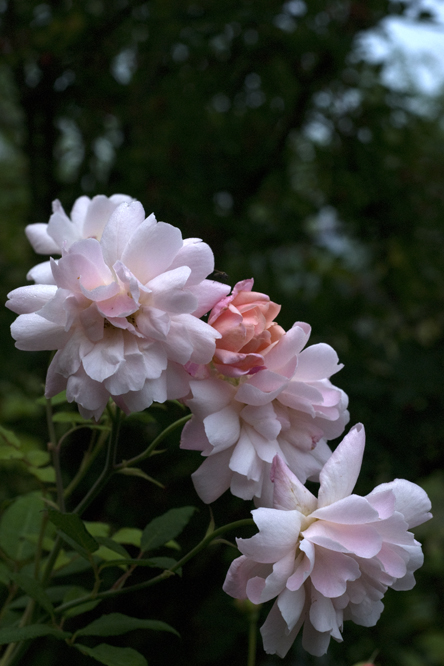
394	560
121	225
83	264
198	256
193	436
208	293
79	210
67	361
209	395
363	540
275	635
263	420
60	228
222	428
213	477
239	574
261	389
300	396
105	356
102	293
168	292
99	212
265	448
279	532
243	460
322	613
37	235
303	566
289	493
332	571
317	362
92	322
351	510
313	641
177	381
291	604
288	346
341	471
151	250
25	300
33	333
410	500
383	501
54	309
394	530
153	323
55	383
245	488
91	396
41	273
260	590
201	336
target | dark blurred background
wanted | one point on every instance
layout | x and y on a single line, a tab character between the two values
259	127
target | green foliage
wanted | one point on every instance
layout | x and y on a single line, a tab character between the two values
15	634
113	656
164	528
116	624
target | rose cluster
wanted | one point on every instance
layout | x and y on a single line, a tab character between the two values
122	308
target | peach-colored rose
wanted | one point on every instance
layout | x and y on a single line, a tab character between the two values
245	321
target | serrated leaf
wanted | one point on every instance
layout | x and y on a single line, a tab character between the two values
22	517
44	474
113	656
16	634
116	624
73	527
34	589
130	535
163	563
69	417
135	471
166	527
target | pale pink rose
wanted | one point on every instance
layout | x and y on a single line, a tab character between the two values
88	220
330	558
123	314
245	320
289	408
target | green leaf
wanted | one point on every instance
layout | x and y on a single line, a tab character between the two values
9	453
97	529
113	656
22	518
69	417
37	457
44	474
116	624
16	634
130	535
56	400
75	593
8	438
73	527
135	471
166	527
34	589
113	546
154	562
4	574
